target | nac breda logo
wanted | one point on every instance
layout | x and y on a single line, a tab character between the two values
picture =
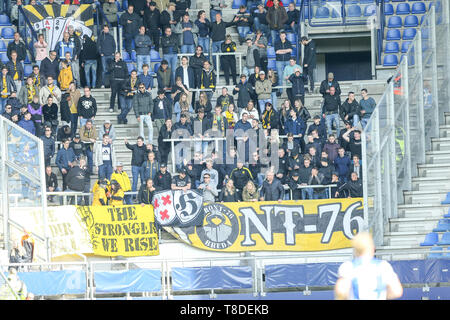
178	208
220	229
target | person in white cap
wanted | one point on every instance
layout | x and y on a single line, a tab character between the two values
107	128
263	88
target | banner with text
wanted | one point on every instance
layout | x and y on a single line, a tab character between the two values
312	225
128	231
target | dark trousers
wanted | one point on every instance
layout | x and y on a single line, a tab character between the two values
309	72
128	39
154	34
229	66
73	123
264	61
116	85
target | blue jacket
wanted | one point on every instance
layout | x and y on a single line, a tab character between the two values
63	157
49	146
342	165
295	127
27	125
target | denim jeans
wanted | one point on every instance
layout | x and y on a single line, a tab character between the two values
355	120
329	119
141	60
274	36
146	119
307	192
280	69
364	122
90	159
105	171
90	71
106	61
137	174
274	98
204	43
243	31
73	123
248	71
126	104
2	104
187	48
172	59
262	104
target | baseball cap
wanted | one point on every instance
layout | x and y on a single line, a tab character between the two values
162	165
295	173
77	136
262	72
119	164
108	121
248	38
152	3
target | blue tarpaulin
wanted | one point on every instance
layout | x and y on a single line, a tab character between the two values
49	283
211	278
135	280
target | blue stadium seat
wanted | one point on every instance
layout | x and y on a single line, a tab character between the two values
291	37
403	8
405	46
354	11
418	8
335	13
445	240
124	5
27	69
3	46
436	254
271	53
411	21
271	64
391	47
237	3
4	57
388	9
430	239
154	56
393	34
409	34
447	199
370	10
390	60
156	67
395	22
119	7
322	13
125	56
367	1
447	215
131	67
4	20
442	226
8	33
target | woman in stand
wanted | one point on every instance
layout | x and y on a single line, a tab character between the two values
229	193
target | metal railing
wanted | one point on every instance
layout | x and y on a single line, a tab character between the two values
408	115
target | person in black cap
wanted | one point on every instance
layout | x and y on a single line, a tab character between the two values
182	181
152	23
163	178
294	185
78	147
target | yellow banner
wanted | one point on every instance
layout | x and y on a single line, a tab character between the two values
127	231
312	225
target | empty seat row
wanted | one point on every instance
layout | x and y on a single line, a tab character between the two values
350	11
405	8
408	22
432	239
392	60
395	34
394	47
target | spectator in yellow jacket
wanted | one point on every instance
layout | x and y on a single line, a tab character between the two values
124	181
65	76
101	190
117	194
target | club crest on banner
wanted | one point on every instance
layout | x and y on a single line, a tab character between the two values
178	208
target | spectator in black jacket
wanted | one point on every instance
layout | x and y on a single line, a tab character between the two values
76	179
259	20
49	145
88	58
294	185
146	192
130	21
326	84
351	110
293	18
87	107
138	156
15	70
163	146
298	81
229	193
51	182
196	62
18	46
106	48
283	50
129	89
245	92
169	45
353	186
78	146
272	189
50	66
119	74
218	33
309	60
203	25
163	179
152	18
330	110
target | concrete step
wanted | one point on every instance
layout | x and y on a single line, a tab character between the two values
413	224
438	157
413	238
435	210
441	144
434	170
430	183
424	197
401	252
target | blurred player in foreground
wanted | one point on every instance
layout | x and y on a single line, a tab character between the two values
365	277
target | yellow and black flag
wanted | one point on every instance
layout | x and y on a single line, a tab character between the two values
56	19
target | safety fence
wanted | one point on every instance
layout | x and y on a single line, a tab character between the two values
256	277
407	116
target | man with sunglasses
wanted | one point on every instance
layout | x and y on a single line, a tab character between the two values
143	109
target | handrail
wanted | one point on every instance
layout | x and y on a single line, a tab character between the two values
382	22
101	13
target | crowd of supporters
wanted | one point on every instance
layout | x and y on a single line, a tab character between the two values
56	104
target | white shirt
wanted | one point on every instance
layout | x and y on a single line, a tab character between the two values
368	277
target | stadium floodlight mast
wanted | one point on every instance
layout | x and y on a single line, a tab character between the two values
247	144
